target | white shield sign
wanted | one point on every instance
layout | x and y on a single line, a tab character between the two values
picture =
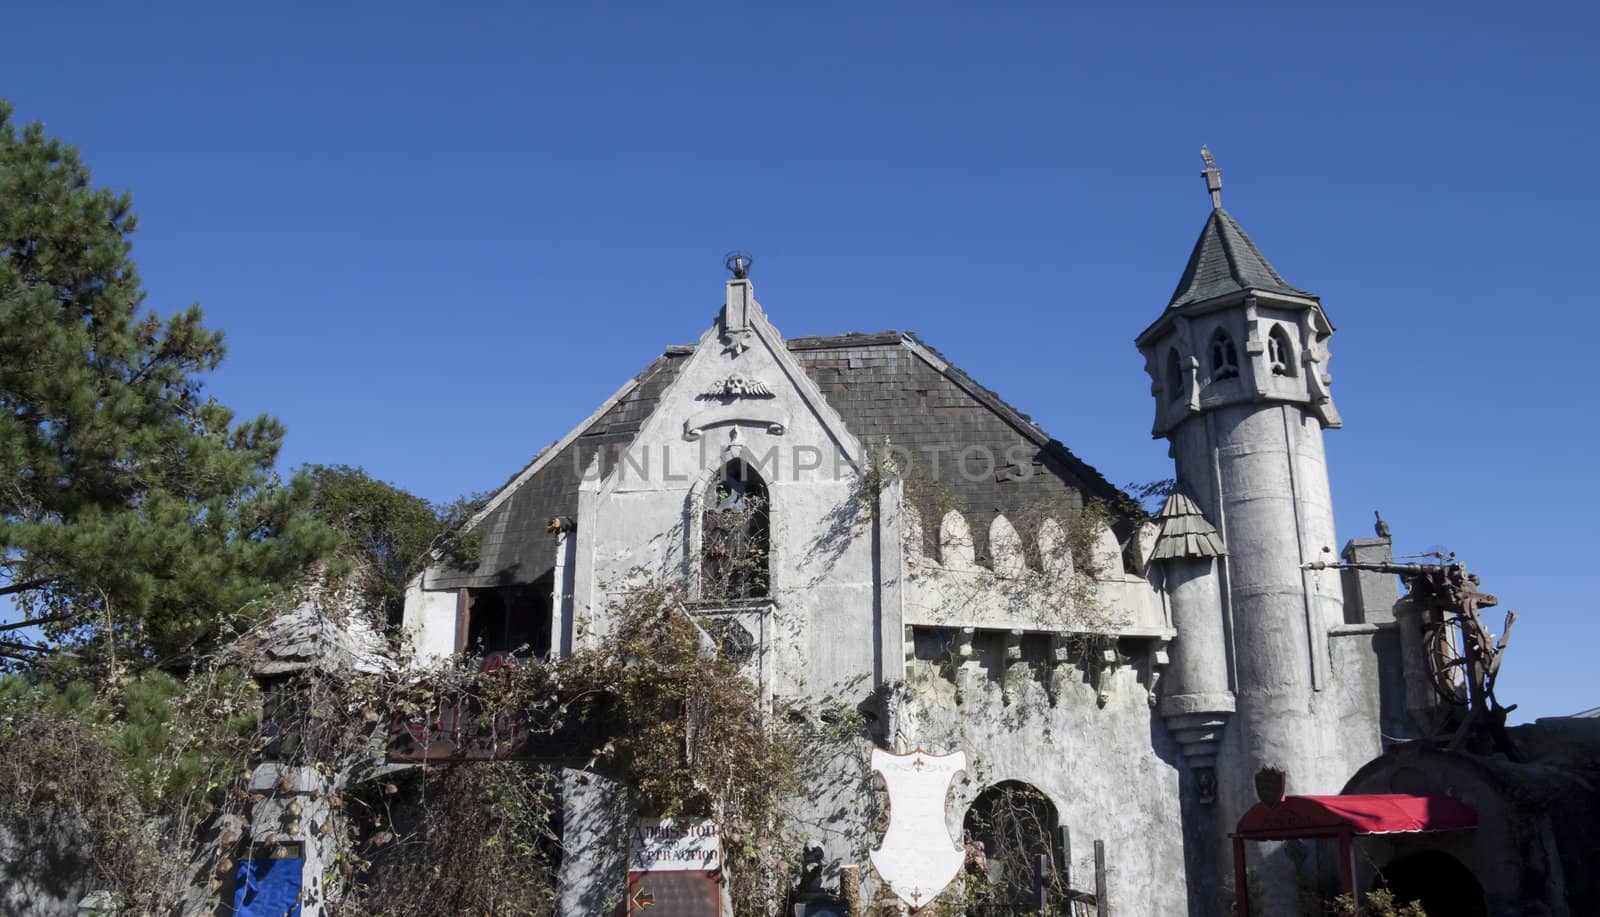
917	857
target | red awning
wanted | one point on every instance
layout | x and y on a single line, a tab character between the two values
1330	816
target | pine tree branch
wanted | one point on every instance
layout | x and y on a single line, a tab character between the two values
25	586
49	619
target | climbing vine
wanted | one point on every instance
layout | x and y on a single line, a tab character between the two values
209	767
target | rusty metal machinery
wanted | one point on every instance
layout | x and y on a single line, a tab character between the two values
1462	658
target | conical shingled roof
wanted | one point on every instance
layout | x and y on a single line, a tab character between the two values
1225	261
1185	533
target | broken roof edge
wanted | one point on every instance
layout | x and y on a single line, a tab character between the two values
848	339
545	455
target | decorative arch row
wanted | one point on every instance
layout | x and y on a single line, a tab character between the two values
1057	557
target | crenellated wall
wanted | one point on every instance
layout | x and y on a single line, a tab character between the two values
1063	594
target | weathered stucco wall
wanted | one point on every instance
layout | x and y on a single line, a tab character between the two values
1111	771
430	621
822	558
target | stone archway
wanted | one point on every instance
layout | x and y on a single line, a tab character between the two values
1017	825
1438	880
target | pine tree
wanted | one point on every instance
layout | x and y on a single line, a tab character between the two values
137	519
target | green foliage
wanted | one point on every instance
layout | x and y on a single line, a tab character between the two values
135	769
387	534
1380	903
147	730
134	512
1144	498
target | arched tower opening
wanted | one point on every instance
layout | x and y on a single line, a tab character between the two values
1280	352
1224	357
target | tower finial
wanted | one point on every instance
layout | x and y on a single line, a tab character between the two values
1213	177
738	263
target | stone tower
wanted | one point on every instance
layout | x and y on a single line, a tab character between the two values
1237	367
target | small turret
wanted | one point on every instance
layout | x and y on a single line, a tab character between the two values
1196	700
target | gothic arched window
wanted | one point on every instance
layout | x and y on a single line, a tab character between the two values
735	535
1280	352
1174	376
1224	358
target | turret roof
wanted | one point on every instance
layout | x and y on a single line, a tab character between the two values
1185	533
1225	261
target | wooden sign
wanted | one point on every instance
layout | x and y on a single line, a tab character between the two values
674	844
678	893
675	868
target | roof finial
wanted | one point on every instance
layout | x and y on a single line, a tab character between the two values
738	264
1213	177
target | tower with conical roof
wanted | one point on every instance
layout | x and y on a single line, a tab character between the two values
1237	361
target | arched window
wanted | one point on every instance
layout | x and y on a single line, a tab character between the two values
1174	376
1224	358
1280	352
735	535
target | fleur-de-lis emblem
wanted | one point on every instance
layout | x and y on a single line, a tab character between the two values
917	857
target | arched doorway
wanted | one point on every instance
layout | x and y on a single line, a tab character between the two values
1020	832
1439	881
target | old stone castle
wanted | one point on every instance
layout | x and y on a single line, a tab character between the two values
991	594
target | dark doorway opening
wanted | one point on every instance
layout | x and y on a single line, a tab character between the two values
514	620
1021	866
1439	881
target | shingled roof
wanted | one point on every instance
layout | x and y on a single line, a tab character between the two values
888	386
1225	261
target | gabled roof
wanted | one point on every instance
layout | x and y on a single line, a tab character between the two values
886	386
1225	261
515	545
894	387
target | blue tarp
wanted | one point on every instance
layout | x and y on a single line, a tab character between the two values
269	888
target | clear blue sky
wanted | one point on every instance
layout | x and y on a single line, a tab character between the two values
437	235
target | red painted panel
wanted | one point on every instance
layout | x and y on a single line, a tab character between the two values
674	894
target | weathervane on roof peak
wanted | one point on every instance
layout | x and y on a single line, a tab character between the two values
1213	177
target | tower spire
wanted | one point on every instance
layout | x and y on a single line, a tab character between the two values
1213	177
